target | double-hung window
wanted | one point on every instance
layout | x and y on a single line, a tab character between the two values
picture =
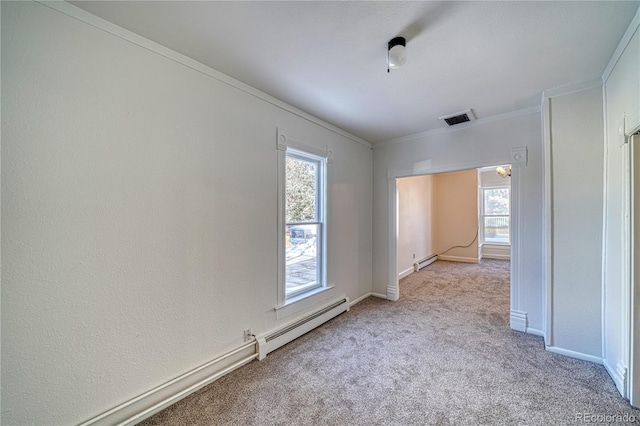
495	215
304	229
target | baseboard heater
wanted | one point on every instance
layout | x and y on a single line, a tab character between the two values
286	334
135	410
424	262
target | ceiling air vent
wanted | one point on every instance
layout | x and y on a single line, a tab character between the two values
458	118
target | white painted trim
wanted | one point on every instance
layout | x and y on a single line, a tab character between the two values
496	256
535	332
284	141
359	299
618	375
495	251
405	273
461	259
605	200
379	295
516	241
627	289
624	42
571	88
518	320
281	155
477	122
109	27
393	288
393	293
305	301
626	260
547	225
365	296
573	354
145	405
394	173
634	355
393	284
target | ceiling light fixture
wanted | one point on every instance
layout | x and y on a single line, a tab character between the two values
397	53
502	172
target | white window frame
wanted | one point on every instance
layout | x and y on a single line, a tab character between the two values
483	215
320	162
298	301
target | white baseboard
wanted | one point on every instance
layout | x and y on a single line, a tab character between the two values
143	406
518	320
535	332
496	251
370	294
458	259
405	273
392	294
497	256
573	354
359	299
618	375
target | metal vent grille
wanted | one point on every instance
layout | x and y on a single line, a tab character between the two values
458	118
452	121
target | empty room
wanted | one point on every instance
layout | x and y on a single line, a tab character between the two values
319	212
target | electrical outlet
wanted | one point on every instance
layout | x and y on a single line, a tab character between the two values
414	255
248	335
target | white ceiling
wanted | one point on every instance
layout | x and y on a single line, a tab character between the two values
329	58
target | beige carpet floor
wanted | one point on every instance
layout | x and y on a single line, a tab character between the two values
443	354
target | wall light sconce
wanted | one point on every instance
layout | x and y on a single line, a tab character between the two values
503	172
397	53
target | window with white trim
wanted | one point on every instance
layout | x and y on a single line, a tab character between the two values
304	222
495	215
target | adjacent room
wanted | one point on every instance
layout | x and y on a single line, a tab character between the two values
460	216
312	212
457	216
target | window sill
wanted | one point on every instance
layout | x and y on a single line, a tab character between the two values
304	301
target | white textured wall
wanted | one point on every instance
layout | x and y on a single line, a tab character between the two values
139	216
456	210
416	217
481	145
622	97
576	232
435	213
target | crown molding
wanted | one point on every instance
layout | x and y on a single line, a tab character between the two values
624	42
477	122
111	28
571	88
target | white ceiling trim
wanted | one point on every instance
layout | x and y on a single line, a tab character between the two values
477	122
571	88
626	38
101	24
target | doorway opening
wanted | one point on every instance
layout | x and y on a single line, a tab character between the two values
459	216
462	216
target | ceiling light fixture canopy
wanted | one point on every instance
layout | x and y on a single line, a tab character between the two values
397	53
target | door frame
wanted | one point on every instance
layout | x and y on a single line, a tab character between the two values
633	390
517	159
